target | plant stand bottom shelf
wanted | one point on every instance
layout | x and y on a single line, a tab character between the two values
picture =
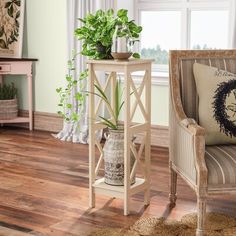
101	187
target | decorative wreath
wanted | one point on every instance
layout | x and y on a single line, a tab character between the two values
220	109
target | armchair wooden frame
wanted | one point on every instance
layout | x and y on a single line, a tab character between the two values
187	138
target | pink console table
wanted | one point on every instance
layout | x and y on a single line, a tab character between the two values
19	66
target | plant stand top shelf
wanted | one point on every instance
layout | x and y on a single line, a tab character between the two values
120	65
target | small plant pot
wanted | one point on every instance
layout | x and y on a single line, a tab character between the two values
114	158
121	56
104	50
8	109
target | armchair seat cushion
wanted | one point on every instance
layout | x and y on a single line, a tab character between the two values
221	164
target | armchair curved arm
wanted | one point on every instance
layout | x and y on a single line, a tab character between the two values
187	138
193	127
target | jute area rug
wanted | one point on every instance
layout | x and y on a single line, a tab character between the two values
216	225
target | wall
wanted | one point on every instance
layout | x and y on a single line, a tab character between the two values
126	4
45	38
159	106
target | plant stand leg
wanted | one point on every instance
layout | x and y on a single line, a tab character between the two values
92	137
127	142
148	88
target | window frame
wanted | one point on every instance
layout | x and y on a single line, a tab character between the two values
185	7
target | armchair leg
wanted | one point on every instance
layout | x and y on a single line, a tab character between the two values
173	184
201	207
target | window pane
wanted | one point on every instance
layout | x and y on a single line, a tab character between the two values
161	32
209	29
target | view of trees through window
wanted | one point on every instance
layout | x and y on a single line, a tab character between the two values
161	56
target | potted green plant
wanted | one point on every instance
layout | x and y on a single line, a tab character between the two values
8	102
114	145
98	30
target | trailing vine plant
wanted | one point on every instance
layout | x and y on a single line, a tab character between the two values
96	35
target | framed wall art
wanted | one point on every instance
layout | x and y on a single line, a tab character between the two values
11	27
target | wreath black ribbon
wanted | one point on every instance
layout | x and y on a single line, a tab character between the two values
220	110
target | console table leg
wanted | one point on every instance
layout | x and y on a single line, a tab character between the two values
30	98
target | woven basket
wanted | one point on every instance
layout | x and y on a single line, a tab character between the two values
8	109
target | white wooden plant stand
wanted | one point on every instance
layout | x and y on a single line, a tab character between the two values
142	155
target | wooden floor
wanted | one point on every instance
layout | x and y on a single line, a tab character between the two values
44	189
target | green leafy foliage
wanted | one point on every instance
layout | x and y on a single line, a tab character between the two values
98	29
115	112
7	91
67	111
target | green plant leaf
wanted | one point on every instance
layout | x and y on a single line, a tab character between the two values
58	90
3	44
82	20
69	105
10	11
79	96
1	31
68	78
110	12
136	55
101	92
18	14
122	13
108	123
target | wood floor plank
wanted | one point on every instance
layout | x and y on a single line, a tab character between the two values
6	231
44	189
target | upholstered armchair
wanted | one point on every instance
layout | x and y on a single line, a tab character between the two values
209	170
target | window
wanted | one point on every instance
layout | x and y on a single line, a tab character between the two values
181	24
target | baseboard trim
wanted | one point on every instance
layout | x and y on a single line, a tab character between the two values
54	123
43	121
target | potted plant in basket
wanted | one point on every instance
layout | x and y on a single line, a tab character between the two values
8	102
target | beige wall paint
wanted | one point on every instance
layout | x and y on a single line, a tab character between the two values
45	38
160	106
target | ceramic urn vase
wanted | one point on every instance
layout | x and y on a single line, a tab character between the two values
114	158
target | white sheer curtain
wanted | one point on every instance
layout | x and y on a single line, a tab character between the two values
233	21
75	132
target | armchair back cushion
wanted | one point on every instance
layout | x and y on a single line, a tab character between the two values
216	96
188	91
